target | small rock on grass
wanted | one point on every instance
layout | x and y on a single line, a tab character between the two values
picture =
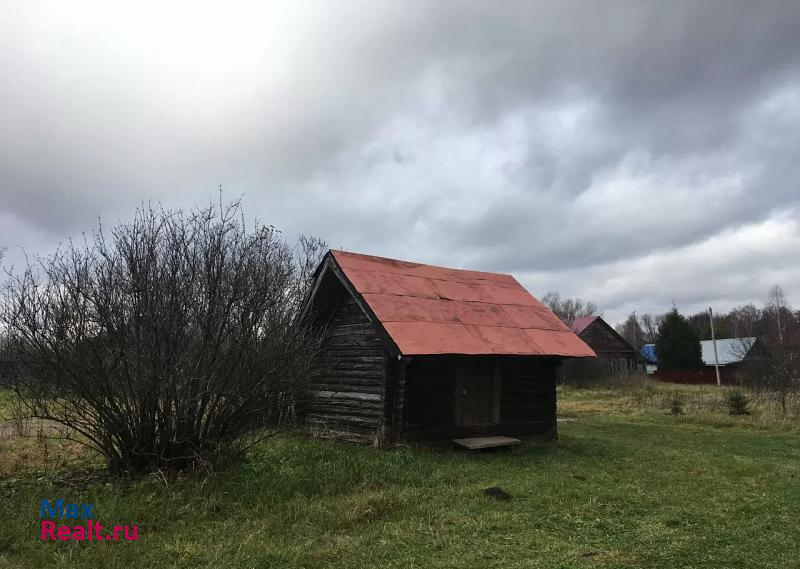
497	493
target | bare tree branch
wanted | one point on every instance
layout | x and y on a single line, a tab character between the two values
166	340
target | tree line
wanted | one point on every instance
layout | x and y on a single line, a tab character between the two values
770	366
775	322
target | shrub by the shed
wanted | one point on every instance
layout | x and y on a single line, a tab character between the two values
167	340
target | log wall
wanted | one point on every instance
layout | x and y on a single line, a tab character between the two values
528	405
527	398
429	402
347	399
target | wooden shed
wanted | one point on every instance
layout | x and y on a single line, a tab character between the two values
417	352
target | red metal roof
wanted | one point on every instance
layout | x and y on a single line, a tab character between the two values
434	310
580	324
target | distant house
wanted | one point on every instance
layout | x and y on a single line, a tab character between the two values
417	352
615	355
648	354
732	353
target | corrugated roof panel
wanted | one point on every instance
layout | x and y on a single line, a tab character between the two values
556	343
420	338
387	283
506	295
462	276
502	340
534	317
393	266
434	310
482	314
393	308
454	290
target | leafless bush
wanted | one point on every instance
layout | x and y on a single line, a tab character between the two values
166	342
771	370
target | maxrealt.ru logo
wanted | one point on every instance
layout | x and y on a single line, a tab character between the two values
91	530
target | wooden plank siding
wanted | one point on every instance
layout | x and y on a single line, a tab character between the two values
527	392
347	399
528	404
394	423
430	386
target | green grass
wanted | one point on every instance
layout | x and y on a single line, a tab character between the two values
621	488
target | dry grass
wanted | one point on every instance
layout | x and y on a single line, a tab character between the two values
640	395
26	455
30	446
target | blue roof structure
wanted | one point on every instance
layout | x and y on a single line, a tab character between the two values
648	352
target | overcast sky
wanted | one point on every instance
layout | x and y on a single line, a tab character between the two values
630	153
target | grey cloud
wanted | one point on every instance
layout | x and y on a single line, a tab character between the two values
568	139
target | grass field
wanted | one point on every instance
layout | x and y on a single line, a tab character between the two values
627	485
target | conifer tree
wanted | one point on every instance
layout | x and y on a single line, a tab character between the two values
678	346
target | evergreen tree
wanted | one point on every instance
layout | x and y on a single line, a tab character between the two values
678	346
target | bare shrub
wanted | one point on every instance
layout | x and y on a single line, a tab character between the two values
167	341
771	370
568	309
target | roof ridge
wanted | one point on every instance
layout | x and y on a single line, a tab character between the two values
491	303
421	264
481	325
501	285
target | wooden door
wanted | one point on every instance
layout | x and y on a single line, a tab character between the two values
476	393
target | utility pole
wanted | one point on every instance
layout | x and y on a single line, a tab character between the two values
714	342
635	342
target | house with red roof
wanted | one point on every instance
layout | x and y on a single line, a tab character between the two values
418	352
615	355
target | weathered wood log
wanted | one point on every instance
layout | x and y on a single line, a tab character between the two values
343	395
344	420
347	387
